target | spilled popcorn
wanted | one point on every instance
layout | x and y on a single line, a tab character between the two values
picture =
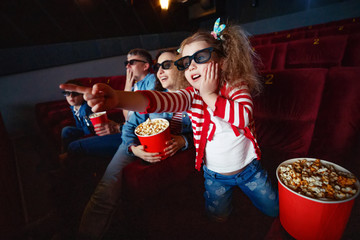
151	127
317	180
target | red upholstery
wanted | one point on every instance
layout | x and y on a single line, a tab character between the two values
290	36
265	53
323	52
338	124
150	179
313	33
352	52
279	56
333	30
255	41
286	112
323	45
340	29
116	82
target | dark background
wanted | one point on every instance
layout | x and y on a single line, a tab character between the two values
38	34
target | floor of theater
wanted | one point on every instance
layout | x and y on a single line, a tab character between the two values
187	222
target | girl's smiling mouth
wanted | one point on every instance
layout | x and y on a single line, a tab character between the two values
196	76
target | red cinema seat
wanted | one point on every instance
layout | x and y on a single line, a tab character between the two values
278	62
265	54
142	179
323	52
290	36
333	30
255	41
285	113
352	51
117	82
338	125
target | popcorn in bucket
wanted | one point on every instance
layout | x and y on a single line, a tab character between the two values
153	134
315	198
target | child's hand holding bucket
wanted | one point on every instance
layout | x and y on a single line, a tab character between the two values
140	152
176	143
110	127
153	135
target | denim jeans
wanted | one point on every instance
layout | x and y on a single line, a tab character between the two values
97	146
106	198
253	181
70	134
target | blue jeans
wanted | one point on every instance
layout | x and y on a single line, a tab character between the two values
97	146
253	181
106	198
68	135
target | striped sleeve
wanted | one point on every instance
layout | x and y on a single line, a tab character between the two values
178	101
236	107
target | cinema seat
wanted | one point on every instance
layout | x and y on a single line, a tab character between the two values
286	112
338	124
278	62
352	51
116	82
143	179
290	36
323	52
265	53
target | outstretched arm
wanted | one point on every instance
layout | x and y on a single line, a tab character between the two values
102	97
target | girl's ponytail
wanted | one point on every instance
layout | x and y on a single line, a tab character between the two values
239	58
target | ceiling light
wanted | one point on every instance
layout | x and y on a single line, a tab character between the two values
164	4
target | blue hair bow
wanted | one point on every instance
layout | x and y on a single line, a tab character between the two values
217	29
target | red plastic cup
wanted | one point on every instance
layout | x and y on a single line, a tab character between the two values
308	218
99	117
157	142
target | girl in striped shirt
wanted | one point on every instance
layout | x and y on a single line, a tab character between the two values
219	67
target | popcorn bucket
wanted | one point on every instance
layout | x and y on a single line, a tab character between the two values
156	142
99	117
309	218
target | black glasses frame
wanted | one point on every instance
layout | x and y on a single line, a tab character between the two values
164	65
73	94
179	63
133	61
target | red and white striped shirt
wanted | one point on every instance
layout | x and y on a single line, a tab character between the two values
234	106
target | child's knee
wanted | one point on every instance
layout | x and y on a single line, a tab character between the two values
66	132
